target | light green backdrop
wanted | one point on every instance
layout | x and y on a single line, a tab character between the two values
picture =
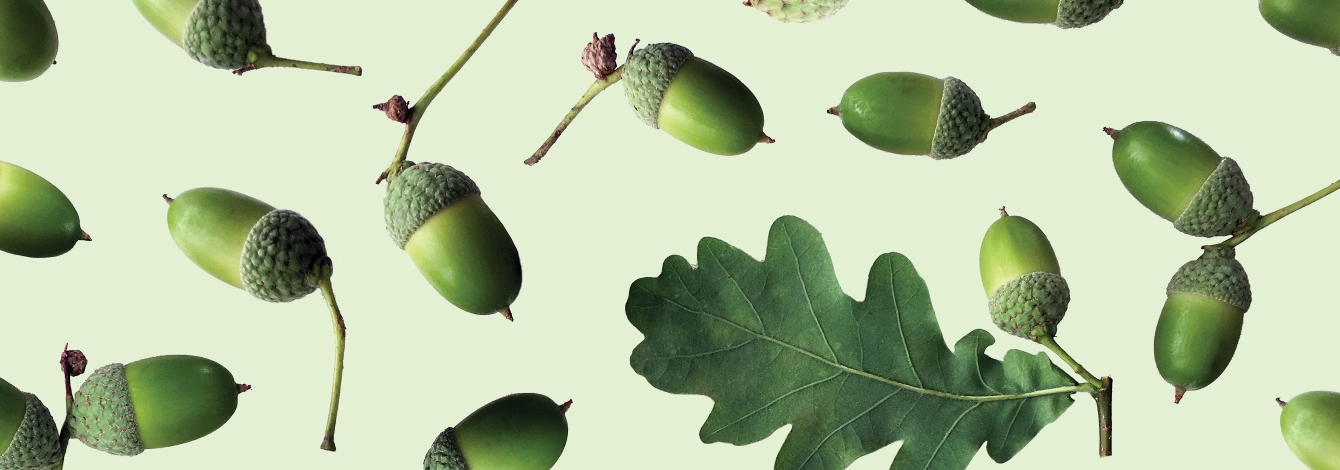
125	116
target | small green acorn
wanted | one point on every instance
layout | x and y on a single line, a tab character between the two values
273	254
522	431
1310	423
224	34
1201	321
28	40
162	401
36	219
28	435
1307	21
910	113
797	11
1182	179
436	214
1066	14
1022	278
693	100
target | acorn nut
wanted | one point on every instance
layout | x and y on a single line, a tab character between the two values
910	113
1182	179
1309	22
28	40
1310	423
36	219
436	214
1201	321
1022	278
28	436
1066	14
162	401
522	431
797	11
693	100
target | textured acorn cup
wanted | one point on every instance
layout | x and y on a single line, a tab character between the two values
36	219
28	40
1201	321
798	11
1310	22
910	113
153	403
1065	14
693	100
271	253
1180	178
1311	426
1022	278
28	435
436	214
523	431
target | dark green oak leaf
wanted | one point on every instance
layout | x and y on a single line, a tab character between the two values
777	342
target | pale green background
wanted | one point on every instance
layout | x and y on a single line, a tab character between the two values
125	116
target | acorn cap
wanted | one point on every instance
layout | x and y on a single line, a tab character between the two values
1221	204
103	417
280	255
220	33
647	74
1080	13
1215	274
1031	305
418	192
36	444
444	453
962	124
798	11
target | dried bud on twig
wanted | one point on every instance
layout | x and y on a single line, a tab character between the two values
599	56
73	362
396	108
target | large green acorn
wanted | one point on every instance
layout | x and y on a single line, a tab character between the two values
273	254
1182	179
28	40
1065	14
1311	426
224	34
36	219
1201	321
28	435
910	113
522	431
1022	278
1315	22
436	214
798	11
123	409
693	100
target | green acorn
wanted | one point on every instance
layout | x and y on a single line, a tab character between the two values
693	100
1022	278
910	113
1310	22
797	11
1065	14
1182	179
224	34
123	409
28	435
273	254
1311	426
28	40
522	431
1201	321
36	219
436	214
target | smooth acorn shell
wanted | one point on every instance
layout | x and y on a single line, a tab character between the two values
210	225
1195	339
179	398
28	40
1014	246
711	110
36	219
1310	423
523	431
893	111
1162	165
1315	22
1021	11
167	16
466	254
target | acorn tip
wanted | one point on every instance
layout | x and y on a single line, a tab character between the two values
565	406
1177	394
507	312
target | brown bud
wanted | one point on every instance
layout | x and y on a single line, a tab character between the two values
396	108
599	56
73	362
